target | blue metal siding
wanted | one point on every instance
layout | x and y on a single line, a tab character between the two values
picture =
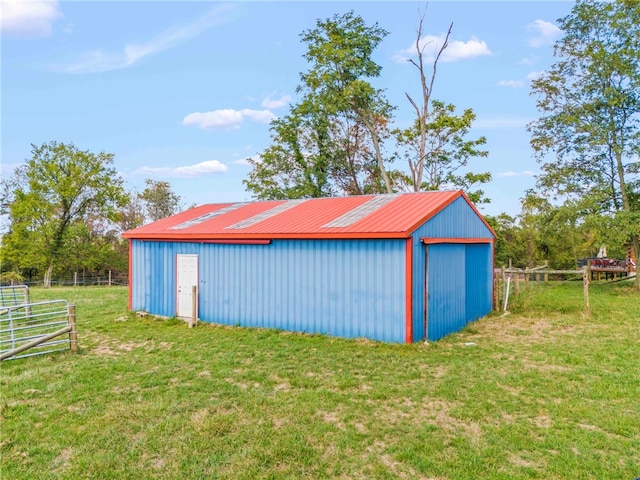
418	287
466	269
347	288
458	220
459	287
478	280
445	290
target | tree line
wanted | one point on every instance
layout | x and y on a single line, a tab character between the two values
339	138
67	207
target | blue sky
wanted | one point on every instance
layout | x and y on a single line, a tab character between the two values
184	91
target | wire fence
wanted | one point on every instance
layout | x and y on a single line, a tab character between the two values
509	282
78	280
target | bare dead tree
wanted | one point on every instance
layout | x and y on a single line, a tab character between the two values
416	165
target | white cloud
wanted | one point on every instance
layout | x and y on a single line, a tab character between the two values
240	161
227	118
511	83
528	60
545	33
188	171
519	83
261	116
245	161
277	102
534	75
101	61
456	49
28	18
525	173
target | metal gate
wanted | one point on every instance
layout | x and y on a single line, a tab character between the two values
37	328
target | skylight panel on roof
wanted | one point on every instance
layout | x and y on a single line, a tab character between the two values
207	216
361	211
272	212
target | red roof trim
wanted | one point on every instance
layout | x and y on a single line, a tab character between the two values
444	205
225	242
272	236
473	207
437	210
431	241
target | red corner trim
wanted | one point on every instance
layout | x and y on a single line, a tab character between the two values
435	211
409	290
479	215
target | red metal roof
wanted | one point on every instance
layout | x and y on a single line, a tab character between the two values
395	216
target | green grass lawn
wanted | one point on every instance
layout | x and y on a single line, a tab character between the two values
546	392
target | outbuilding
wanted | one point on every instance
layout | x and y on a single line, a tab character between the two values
393	268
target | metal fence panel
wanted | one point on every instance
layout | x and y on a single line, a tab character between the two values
14	295
22	324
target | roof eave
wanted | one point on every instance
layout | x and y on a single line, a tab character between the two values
445	204
264	236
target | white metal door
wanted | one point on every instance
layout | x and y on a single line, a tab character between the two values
187	266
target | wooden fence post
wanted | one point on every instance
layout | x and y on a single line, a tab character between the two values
506	294
526	279
75	279
585	282
73	333
109	278
27	301
194	307
516	283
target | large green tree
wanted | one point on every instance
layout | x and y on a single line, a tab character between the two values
588	135
339	51
159	200
132	214
296	164
52	199
331	141
313	155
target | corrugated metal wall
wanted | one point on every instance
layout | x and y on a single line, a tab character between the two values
458	220
446	294
478	280
347	288
460	276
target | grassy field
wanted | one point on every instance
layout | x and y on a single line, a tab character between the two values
546	392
